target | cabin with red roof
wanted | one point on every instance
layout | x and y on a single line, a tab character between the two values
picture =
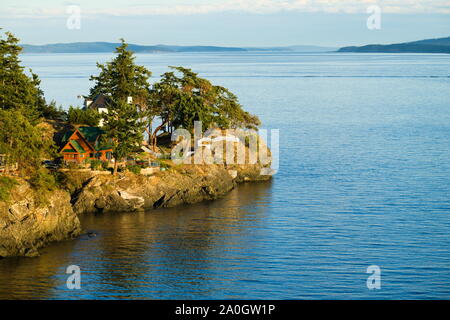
83	143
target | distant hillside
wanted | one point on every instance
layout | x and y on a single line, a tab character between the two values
96	47
99	47
441	45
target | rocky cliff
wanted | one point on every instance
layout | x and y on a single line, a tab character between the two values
26	226
184	185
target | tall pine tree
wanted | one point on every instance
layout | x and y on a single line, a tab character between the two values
122	78
21	103
22	142
18	91
123	130
119	79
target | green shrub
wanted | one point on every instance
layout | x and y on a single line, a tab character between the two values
78	116
6	185
136	169
164	165
71	181
43	180
165	156
105	165
73	165
96	164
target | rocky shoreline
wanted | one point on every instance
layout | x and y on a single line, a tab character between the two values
25	226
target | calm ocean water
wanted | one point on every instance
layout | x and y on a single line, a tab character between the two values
364	180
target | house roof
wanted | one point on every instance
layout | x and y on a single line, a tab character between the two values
77	146
100	101
90	134
66	137
104	147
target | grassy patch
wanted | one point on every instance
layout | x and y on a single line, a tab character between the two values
43	182
136	169
96	164
72	181
166	164
6	185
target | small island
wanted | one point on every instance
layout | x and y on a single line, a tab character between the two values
128	148
440	45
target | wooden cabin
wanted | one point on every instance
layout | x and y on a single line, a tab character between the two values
83	143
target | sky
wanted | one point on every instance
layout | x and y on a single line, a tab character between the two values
250	23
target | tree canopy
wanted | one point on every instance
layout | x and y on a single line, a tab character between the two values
182	97
78	116
123	130
178	99
21	104
21	141
119	79
18	91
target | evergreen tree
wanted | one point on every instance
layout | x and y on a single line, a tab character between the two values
22	142
122	78
52	112
21	104
78	116
125	122
181	100
165	96
18	91
123	130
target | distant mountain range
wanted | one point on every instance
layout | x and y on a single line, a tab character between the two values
441	45
104	47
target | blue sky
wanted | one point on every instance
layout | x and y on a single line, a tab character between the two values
227	22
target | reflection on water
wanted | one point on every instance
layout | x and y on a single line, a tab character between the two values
189	251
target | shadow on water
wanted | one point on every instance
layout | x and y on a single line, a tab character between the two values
164	253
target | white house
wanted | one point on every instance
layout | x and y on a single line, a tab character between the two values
100	104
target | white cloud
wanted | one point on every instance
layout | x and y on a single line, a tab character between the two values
178	7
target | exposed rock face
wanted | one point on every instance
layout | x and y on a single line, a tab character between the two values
189	184
25	226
